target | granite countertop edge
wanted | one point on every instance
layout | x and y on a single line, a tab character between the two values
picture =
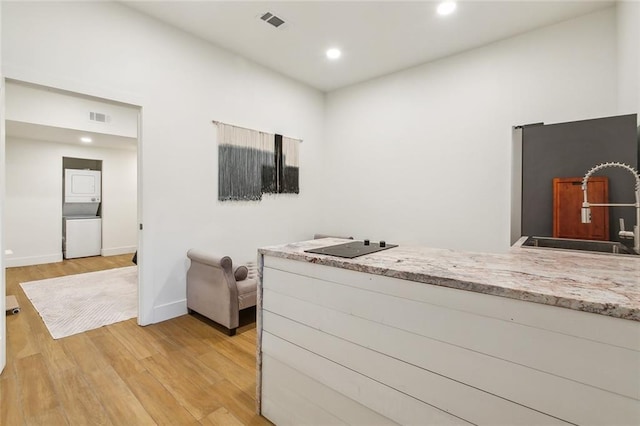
606	294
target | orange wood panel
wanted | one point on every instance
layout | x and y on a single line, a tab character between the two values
567	204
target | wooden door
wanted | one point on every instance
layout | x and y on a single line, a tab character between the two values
567	204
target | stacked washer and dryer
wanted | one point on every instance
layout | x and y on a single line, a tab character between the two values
81	224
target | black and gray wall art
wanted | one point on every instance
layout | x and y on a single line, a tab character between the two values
252	163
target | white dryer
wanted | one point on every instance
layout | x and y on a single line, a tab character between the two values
82	186
82	192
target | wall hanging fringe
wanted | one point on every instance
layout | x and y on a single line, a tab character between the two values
216	122
251	163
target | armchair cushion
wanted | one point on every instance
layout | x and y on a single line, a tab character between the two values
247	288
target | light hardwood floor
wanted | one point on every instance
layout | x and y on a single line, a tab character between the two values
181	371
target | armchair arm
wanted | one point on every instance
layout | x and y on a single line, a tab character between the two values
209	259
211	288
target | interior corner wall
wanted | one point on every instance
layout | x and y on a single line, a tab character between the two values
628	17
33	203
181	83
423	156
3	291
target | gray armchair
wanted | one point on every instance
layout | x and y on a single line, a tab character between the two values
218	291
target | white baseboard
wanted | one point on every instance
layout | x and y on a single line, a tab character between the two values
11	262
169	310
118	250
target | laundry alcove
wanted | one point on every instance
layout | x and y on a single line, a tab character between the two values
81	207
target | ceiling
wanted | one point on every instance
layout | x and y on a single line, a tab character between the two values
30	131
376	37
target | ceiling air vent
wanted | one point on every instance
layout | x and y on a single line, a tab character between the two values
99	117
272	19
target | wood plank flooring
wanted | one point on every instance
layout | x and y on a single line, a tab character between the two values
185	371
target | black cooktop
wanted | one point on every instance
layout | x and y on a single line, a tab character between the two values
352	249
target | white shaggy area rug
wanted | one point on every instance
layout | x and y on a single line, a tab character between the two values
75	303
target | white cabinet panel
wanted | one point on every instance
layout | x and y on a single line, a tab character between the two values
566	356
421	354
600	328
305	400
388	402
451	396
82	238
467	383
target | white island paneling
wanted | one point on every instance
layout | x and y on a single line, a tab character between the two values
340	345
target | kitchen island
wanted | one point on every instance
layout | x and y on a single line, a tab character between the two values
414	335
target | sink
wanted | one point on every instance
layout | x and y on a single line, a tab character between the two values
611	247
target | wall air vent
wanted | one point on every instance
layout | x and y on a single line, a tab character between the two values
99	117
272	19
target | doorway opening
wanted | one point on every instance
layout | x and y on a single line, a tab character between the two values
47	132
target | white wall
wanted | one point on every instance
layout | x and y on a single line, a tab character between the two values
181	83
629	57
51	108
33	203
423	156
3	290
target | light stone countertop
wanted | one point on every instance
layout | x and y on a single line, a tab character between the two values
597	283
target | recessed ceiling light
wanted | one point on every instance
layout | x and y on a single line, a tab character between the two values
85	139
446	7
333	53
